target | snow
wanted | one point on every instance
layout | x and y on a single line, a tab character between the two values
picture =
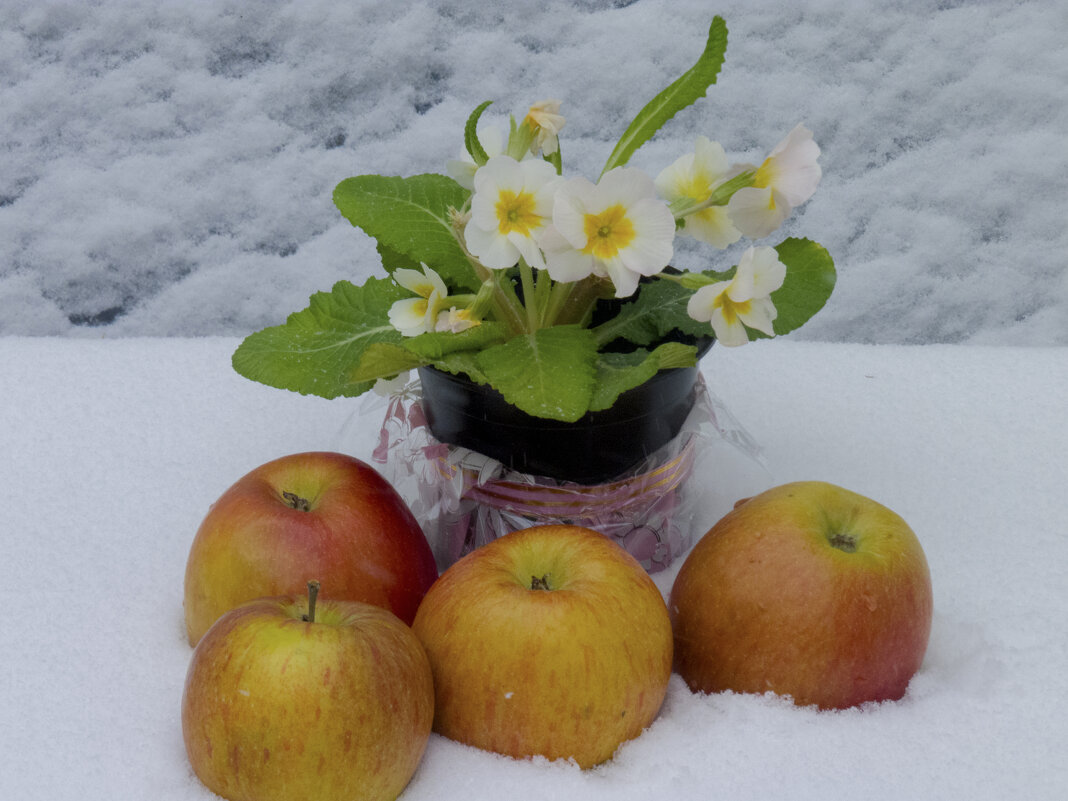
167	167
113	451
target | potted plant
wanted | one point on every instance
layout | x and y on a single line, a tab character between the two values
531	299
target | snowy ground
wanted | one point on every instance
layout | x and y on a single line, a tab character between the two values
167	167
113	452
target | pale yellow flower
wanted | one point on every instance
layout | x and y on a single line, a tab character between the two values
694	177
511	206
414	316
616	228
744	300
787	178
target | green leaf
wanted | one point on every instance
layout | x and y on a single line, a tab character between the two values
810	279
463	362
687	89
659	309
439	344
410	217
385	360
392	260
618	372
549	373
474	147
317	349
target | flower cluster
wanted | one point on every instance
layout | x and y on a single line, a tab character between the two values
523	213
555	290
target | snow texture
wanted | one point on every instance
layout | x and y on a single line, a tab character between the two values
167	168
113	452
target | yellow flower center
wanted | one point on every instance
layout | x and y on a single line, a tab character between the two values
766	174
696	186
732	310
608	233
515	212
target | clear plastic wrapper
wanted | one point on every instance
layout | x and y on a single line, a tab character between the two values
464	499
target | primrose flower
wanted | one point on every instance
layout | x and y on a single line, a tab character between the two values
545	120
456	320
617	228
511	206
693	177
744	300
787	178
414	316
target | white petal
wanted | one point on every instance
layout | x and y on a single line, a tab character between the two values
484	208
760	314
796	168
730	333
490	247
622	186
701	304
625	281
500	172
756	212
768	273
409	316
712	225
673	180
414	280
710	160
536	173
569	210
462	171
420	282
568	265
526	248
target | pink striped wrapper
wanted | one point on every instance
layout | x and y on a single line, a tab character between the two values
464	499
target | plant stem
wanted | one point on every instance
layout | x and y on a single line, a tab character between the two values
530	300
313	595
506	306
576	306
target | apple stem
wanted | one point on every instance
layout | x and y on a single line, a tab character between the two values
539	583
844	542
294	501
313	594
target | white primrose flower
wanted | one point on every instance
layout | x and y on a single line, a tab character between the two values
617	228
546	121
512	204
414	316
693	177
787	178
744	300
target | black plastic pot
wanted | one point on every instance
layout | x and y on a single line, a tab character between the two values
599	447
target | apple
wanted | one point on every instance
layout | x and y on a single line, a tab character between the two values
289	699
549	641
308	515
807	590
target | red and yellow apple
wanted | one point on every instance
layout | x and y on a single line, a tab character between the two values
289	699
308	515
549	641
807	590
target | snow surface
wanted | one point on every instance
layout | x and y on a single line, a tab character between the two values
167	167
113	451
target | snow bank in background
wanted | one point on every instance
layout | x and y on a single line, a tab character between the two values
168	167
